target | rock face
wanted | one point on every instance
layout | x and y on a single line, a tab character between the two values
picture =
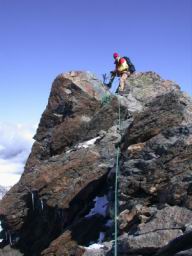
64	201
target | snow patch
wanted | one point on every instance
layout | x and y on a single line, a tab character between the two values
85	119
94	247
88	143
85	144
58	115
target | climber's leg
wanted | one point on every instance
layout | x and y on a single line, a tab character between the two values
123	78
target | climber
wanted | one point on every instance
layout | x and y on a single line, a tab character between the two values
124	68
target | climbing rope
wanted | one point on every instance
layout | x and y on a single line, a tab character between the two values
106	99
116	199
116	184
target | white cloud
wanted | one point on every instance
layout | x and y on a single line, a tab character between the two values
15	145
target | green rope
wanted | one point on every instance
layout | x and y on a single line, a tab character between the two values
116	187
106	99
116	199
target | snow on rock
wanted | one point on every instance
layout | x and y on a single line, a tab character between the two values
85	144
94	247
88	143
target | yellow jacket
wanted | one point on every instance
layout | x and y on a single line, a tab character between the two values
121	66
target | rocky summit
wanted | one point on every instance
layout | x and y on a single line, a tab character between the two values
87	139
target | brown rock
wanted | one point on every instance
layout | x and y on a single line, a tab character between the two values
56	207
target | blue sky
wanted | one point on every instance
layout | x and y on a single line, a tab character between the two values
42	38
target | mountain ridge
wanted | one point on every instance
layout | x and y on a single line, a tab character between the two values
71	170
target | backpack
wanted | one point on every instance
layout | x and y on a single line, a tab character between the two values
131	66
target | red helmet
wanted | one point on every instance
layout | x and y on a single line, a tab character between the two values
115	55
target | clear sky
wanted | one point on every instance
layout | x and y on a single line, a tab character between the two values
41	38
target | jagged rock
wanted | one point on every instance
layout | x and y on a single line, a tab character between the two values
69	107
142	87
152	240
165	225
62	171
160	172
177	245
73	163
161	113
168	218
64	246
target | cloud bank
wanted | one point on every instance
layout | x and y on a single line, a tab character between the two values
15	145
